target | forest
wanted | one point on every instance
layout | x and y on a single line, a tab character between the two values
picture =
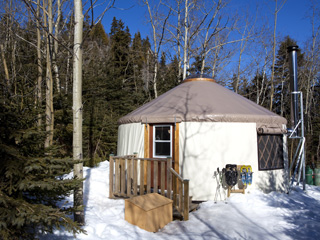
122	70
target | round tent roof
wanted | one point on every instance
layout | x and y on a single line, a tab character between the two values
200	99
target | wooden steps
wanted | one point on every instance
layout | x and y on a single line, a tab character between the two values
193	206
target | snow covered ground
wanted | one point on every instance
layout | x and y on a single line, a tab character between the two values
254	215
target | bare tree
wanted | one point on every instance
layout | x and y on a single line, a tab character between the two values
245	36
4	62
259	54
157	40
39	56
175	30
77	110
188	6
56	46
213	28
312	61
276	11
49	80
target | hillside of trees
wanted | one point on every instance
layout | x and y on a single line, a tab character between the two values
121	71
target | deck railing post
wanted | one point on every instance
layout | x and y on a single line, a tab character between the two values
174	188
142	172
148	176
135	176
169	177
117	175
163	178
122	176
135	173
129	176
186	199
155	176
111	167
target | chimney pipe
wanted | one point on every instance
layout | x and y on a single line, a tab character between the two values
292	50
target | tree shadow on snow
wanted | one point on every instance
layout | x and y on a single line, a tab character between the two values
301	212
55	237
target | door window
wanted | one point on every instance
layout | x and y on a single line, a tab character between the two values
162	141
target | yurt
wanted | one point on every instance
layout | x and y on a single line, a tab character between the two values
204	126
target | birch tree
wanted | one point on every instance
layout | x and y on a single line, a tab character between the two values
77	110
157	40
274	45
48	22
39	56
245	35
312	58
174	30
56	46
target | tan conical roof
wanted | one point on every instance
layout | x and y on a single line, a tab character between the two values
203	100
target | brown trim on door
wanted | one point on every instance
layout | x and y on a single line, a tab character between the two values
175	155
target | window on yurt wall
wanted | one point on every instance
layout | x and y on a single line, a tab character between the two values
162	141
270	152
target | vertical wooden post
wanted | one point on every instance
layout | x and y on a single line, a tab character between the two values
122	176
141	190
155	176
111	167
129	175
169	177
186	200
174	188
148	176
146	150
176	149
180	189
117	176
135	177
135	173
163	177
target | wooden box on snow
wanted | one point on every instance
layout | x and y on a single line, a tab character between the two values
149	212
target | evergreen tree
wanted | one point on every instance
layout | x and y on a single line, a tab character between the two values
31	186
196	66
168	76
282	96
97	143
98	34
137	59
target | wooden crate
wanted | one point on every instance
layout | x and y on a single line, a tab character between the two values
150	212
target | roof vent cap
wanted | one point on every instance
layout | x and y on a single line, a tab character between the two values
198	77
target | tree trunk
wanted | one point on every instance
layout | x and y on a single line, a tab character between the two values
276	11
185	47
49	80
39	78
77	110
5	65
55	49
273	58
155	67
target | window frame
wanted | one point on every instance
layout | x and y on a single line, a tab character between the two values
154	141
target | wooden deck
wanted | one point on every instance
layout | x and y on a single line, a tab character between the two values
132	176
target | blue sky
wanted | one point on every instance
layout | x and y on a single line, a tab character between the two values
292	18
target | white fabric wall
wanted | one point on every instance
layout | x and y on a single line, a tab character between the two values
205	146
131	139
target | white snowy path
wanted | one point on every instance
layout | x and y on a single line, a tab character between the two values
254	215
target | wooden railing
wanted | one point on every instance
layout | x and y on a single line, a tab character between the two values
132	176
